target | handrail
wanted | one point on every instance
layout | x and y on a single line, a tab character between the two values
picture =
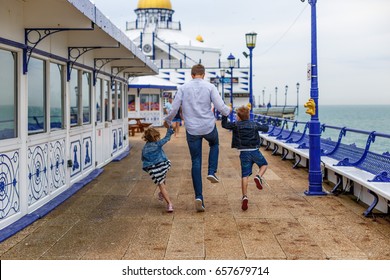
173	48
290	140
291	132
324	126
346	162
359	158
281	130
341	134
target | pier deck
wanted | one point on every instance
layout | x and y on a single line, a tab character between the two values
118	216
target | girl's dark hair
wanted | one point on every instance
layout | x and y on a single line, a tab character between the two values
151	135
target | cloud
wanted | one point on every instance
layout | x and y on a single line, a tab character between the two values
353	41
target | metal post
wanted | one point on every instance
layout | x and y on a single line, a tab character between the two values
250	39
263	97
222	85
285	96
315	174
251	83
231	92
232	63
276	96
297	99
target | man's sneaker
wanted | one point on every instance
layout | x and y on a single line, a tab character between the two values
199	205
259	182
212	178
244	205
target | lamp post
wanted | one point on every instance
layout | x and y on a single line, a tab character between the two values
222	80
298	99
251	44
222	72
263	97
232	63
315	174
216	84
276	96
285	96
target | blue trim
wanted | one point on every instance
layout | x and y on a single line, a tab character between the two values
124	154
154	86
12	43
47	208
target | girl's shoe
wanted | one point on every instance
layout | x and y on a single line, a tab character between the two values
160	196
244	205
170	208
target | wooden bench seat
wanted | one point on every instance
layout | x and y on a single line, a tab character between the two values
138	127
134	128
145	125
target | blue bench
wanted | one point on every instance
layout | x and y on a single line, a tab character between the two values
359	166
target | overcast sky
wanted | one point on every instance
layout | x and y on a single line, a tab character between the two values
353	43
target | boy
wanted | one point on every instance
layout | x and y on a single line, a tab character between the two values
247	140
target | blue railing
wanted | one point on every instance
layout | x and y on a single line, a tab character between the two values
362	157
171	48
172	25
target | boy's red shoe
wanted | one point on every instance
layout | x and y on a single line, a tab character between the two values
259	182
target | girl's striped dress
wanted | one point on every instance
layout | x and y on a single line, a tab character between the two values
158	172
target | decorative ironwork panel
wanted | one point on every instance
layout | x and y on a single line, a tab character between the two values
57	164
75	155
9	184
114	140
87	152
38	185
120	138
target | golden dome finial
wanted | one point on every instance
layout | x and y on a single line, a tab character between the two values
154	4
199	38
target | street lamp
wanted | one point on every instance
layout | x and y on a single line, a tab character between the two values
285	96
222	80
315	174
263	97
232	64
276	96
216	84
251	44
297	99
222	72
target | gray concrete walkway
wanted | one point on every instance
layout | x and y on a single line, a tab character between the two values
118	216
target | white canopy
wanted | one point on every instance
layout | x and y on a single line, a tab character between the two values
151	82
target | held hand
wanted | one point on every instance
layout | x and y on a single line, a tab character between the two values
166	125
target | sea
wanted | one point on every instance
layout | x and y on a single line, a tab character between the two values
361	117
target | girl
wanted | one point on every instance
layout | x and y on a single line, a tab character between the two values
176	122
155	161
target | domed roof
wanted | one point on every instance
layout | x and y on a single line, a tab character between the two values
154	4
199	38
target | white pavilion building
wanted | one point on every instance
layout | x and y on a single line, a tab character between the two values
162	39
